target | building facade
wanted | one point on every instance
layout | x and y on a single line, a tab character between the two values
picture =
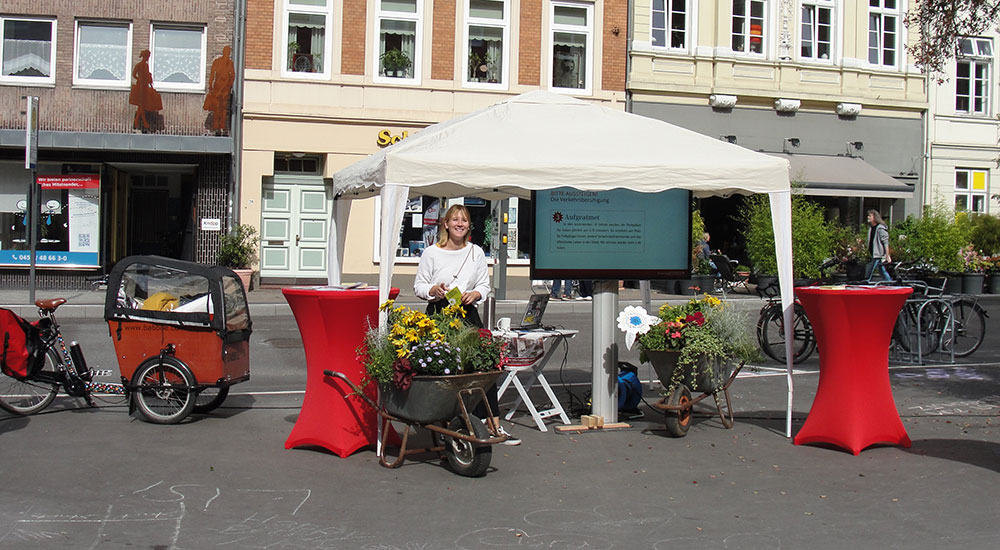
964	132
135	134
328	82
823	83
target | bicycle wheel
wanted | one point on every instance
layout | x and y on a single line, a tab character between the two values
163	390
209	399
23	397
905	331
969	328
771	334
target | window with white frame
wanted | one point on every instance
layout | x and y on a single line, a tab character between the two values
571	31
973	73
486	23
748	26
971	190
178	57
669	24
817	29
103	53
27	50
883	32
399	26
307	38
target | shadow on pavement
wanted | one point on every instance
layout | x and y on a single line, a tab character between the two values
984	454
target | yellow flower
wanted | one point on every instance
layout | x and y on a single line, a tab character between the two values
455	323
387	305
712	301
402	352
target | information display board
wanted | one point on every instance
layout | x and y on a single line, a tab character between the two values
617	234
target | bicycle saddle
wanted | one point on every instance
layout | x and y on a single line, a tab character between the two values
51	304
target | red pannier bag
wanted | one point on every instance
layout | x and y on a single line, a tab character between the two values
18	339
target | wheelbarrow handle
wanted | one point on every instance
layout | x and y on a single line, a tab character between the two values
354	387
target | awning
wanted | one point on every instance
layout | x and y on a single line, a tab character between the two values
842	176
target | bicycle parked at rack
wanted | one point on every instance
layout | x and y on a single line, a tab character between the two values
771	328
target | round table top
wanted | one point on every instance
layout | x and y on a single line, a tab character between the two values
322	290
853	290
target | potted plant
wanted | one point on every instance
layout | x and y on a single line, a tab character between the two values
974	273
850	249
395	62
238	251
812	238
993	271
417	348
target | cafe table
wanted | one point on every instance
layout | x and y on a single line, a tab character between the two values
853	408
333	323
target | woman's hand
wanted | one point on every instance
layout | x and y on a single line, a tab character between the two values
471	297
437	291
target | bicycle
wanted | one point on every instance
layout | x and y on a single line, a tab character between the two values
771	328
50	365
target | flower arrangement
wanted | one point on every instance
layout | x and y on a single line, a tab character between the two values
704	331
850	246
972	261
418	344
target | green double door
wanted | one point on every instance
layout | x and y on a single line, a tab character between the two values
295	222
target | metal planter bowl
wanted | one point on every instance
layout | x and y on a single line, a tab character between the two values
708	378
433	398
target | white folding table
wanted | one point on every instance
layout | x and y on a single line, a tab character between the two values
533	374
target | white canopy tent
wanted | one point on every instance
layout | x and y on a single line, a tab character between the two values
541	140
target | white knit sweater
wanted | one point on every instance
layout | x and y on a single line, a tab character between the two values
438	265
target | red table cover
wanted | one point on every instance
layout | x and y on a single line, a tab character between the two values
853	407
333	325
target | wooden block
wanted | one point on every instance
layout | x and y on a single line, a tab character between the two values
600	421
580	428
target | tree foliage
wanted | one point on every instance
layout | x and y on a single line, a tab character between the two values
812	237
940	23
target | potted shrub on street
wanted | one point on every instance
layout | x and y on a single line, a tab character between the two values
238	251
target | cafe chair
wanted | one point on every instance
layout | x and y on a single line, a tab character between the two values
728	278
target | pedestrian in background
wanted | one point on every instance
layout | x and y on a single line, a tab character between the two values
878	246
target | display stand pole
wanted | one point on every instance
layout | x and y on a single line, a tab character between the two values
604	395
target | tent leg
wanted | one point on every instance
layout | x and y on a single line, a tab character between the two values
604	392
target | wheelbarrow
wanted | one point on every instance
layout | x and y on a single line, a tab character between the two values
441	405
713	380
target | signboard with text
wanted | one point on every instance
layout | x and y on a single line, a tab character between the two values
617	234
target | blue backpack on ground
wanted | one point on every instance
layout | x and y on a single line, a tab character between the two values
629	387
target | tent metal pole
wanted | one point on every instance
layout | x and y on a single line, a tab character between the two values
604	392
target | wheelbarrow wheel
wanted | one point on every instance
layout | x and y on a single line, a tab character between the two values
163	391
210	398
464	457
678	421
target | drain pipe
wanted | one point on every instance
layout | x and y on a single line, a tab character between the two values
236	105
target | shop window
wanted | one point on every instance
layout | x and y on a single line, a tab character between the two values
178	58
883	32
571	39
486	23
103	54
27	48
817	30
973	75
69	218
420	226
669	24
748	26
399	25
971	190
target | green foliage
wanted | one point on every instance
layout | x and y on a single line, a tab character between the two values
238	249
984	234
849	243
935	238
395	60
812	239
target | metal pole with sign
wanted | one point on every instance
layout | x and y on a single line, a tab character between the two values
34	195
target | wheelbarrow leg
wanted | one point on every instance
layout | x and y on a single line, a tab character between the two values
725	413
382	445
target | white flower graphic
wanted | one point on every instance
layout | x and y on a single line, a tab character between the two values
633	321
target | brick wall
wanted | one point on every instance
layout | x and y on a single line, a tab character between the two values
443	40
613	36
260	33
353	57
63	107
530	49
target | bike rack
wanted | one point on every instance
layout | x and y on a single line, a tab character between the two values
915	355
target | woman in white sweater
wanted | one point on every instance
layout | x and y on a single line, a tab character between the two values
454	262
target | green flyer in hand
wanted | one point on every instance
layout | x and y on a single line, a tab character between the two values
454	296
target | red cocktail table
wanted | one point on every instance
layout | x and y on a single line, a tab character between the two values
853	407
333	325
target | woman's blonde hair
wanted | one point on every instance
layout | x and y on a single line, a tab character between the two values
455	210
877	217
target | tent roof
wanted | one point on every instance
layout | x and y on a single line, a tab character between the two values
542	140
